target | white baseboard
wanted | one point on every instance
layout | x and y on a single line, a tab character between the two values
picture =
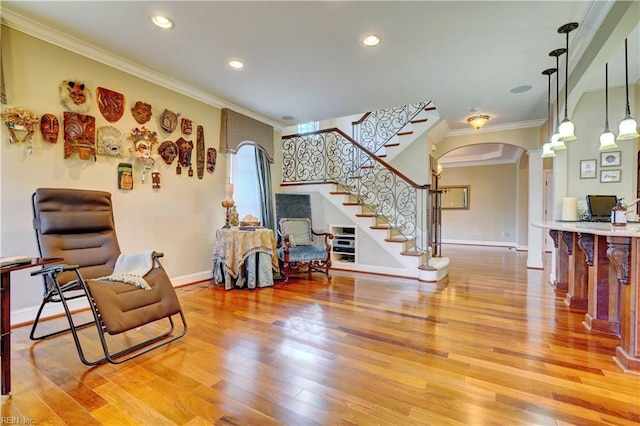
372	269
28	315
482	243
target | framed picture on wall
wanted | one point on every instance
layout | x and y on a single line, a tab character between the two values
607	176
587	169
610	159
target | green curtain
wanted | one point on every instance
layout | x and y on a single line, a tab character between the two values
263	169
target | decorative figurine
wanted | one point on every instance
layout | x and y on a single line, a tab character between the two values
75	96
141	112
110	103
49	128
79	135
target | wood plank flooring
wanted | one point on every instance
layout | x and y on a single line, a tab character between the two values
490	346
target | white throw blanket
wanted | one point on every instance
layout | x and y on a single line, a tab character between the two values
130	268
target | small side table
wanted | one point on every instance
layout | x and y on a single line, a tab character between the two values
5	318
235	248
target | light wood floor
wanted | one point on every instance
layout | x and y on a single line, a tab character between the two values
493	345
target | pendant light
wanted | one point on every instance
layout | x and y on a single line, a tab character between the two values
628	128
607	140
547	152
567	128
556	143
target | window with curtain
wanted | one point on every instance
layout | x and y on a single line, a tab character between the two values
245	181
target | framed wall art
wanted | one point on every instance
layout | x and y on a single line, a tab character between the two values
610	159
587	169
607	176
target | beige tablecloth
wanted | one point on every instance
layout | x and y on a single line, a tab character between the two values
236	250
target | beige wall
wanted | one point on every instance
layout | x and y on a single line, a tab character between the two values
180	219
493	205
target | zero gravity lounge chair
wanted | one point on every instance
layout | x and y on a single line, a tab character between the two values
78	226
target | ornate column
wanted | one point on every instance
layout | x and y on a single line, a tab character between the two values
561	284
623	254
578	277
603	312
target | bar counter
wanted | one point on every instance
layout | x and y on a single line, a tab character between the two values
597	270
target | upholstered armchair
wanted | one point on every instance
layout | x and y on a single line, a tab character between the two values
298	252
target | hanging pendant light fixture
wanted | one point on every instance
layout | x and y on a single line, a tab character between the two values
607	139
547	152
556	143
567	128
628	128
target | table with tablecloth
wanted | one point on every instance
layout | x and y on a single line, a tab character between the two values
244	257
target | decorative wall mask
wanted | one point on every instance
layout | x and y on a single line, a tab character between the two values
110	103
184	154
109	141
200	151
79	135
168	151
21	124
75	96
125	176
168	120
186	126
212	156
155	180
143	140
49	128
141	112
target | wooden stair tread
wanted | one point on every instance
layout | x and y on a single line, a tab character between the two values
420	120
352	203
412	253
365	215
339	193
385	227
405	133
397	240
389	145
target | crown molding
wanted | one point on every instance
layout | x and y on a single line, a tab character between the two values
30	27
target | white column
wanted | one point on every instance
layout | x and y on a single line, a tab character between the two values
535	240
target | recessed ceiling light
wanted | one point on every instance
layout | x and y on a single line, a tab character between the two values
371	40
521	89
288	117
162	22
236	64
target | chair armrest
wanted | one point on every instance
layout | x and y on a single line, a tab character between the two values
327	236
54	269
286	242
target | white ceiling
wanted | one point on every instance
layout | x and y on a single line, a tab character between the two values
306	59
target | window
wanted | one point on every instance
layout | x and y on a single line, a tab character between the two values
311	126
245	180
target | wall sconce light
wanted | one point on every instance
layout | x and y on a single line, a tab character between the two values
567	128
547	152
556	143
628	128
607	140
478	121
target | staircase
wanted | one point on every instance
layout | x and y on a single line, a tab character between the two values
395	212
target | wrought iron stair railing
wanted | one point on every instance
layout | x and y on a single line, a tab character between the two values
331	156
376	128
